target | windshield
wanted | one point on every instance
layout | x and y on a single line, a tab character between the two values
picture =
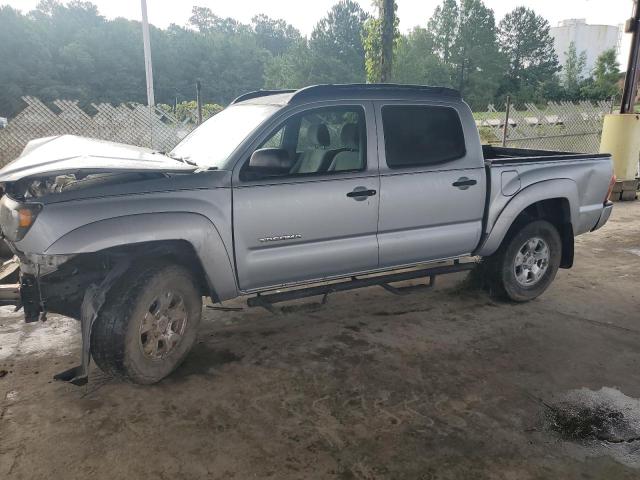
211	143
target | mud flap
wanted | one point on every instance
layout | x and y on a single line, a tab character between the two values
92	302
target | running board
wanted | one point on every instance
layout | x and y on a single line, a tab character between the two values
268	299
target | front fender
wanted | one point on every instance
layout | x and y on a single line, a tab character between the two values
549	189
130	229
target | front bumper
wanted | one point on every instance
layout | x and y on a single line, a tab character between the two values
41	285
604	215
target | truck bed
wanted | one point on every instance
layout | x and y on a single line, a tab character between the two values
582	179
506	155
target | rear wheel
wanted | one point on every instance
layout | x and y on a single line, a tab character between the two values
527	261
148	323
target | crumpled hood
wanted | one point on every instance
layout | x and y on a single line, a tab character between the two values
72	154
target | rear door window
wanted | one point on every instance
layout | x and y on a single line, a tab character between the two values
421	135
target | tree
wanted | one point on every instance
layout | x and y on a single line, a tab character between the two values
573	72
466	41
277	36
444	27
416	60
604	81
380	37
23	49
339	36
204	20
188	111
334	54
300	67
527	45
67	50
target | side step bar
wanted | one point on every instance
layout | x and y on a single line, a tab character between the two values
268	299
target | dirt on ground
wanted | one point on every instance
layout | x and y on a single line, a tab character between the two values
444	384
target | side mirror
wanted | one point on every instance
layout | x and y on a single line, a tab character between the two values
270	161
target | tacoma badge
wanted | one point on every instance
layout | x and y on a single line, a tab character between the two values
292	236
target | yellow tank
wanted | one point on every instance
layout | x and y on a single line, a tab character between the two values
621	138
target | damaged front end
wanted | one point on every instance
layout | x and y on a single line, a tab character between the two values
71	285
53	283
56	283
51	177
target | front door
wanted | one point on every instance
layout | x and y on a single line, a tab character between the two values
432	188
319	218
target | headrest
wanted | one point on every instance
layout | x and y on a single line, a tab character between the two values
349	136
318	134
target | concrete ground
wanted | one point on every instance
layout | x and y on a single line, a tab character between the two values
445	384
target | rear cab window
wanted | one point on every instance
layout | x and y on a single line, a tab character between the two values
421	135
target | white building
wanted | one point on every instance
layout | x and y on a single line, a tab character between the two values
591	39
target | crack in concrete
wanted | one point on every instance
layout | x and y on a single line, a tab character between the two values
617	440
591	321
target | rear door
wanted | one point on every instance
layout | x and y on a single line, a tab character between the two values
432	186
320	219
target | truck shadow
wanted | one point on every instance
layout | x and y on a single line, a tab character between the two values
203	360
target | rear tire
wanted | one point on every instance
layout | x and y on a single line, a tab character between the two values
148	323
526	263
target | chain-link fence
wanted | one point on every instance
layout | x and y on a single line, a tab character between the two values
573	127
132	124
565	126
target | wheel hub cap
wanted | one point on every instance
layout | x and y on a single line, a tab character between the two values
163	325
531	262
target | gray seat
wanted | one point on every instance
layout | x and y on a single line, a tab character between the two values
312	161
349	158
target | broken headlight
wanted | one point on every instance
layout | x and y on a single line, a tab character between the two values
17	218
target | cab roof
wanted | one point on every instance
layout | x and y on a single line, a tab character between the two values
368	91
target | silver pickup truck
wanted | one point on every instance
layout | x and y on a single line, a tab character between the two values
283	195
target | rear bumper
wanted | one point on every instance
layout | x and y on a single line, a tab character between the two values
604	215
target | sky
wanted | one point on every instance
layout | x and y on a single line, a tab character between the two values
304	14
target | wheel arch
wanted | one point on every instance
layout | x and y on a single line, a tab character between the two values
538	201
188	238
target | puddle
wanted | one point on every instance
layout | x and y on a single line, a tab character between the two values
587	423
604	421
635	251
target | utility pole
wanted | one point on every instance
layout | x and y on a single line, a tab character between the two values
633	69
199	101
147	54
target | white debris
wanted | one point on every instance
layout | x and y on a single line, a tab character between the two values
58	335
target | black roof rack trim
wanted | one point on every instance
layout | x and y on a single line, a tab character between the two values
258	94
322	89
315	90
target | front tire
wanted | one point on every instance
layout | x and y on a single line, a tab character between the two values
148	323
527	261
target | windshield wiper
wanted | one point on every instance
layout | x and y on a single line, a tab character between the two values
179	159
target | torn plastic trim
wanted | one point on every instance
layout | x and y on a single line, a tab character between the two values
42	264
93	300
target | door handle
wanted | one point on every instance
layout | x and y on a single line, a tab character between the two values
360	193
463	183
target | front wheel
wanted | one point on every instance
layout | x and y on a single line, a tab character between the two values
148	323
527	261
